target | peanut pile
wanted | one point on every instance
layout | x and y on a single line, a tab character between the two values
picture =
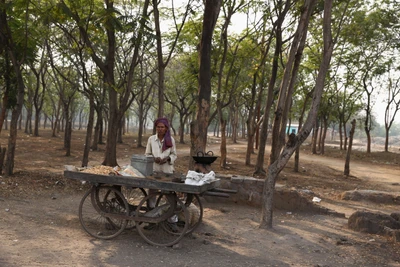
101	169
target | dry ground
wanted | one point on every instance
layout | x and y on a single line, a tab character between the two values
39	225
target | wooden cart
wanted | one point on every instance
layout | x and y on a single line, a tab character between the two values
116	203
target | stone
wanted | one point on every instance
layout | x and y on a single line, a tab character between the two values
373	223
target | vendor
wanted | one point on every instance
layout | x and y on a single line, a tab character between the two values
162	147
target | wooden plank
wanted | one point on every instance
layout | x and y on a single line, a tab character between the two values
160	183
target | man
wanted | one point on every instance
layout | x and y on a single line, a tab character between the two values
162	147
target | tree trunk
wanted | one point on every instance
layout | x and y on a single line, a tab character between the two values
320	134
56	119
315	137
37	122
323	137
297	152
3	151
181	129
28	122
68	137
89	131
141	125
346	136
7	78
251	123
12	141
347	164
10	49
280	162
259	166
110	158
368	133
223	150
199	132
97	130
120	131
386	139
161	65
16	112
234	122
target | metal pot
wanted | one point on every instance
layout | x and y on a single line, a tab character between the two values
206	158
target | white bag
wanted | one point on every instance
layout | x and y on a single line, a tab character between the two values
197	178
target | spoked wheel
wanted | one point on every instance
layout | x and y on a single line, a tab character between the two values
133	196
160	226
99	210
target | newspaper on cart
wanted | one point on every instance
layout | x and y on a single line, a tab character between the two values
197	178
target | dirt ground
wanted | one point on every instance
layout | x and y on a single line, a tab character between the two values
39	223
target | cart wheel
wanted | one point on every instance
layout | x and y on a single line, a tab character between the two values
96	211
166	231
194	207
133	196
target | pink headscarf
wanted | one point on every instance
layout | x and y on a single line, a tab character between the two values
167	138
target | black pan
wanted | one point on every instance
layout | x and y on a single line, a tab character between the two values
207	158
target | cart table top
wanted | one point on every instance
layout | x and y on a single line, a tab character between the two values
151	182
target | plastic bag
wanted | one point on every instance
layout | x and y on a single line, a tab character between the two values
131	171
197	178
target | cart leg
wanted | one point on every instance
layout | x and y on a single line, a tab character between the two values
195	208
133	196
164	232
96	211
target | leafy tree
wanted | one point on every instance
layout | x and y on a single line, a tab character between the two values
281	11
181	92
281	159
19	43
370	37
89	20
392	106
199	128
163	62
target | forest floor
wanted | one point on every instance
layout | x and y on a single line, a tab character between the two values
39	224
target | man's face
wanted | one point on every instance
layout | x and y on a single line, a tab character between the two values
161	129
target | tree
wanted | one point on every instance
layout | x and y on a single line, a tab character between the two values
227	77
40	86
88	20
19	44
392	107
281	160
162	63
199	127
369	38
276	32
348	154
180	92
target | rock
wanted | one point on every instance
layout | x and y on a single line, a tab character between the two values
370	195
395	215
373	223
177	246
396	235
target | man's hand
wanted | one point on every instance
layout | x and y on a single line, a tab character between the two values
157	160
164	160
